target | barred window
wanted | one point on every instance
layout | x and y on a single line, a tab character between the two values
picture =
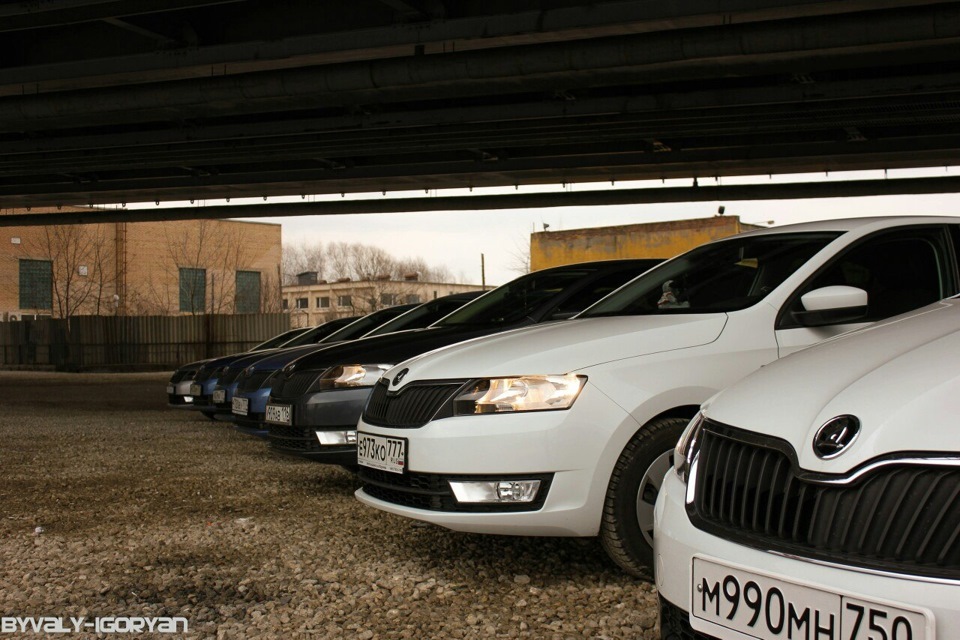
36	284
248	292
193	290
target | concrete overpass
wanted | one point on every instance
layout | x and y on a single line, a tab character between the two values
108	101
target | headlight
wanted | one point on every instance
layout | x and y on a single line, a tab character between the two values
524	393
688	446
352	375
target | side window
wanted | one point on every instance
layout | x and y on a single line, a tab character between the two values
900	271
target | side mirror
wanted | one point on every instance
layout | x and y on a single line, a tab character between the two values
837	304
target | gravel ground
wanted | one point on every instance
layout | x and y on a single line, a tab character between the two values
113	505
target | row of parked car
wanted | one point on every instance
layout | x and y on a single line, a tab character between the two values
818	497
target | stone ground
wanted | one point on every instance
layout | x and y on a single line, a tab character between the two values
111	504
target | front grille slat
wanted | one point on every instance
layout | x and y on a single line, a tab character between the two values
253	381
895	517
945	509
412	406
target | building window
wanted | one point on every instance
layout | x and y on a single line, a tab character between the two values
286	304
413	298
388	299
344	301
193	290
248	292
302	303
36	284
323	302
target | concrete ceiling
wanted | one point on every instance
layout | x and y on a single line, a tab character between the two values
108	101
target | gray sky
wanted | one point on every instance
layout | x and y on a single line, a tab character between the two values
456	239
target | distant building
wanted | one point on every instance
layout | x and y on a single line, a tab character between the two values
313	300
651	240
139	268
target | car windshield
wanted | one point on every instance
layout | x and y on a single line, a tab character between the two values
318	333
720	276
515	300
424	315
276	341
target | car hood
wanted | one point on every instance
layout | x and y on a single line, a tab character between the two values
564	347
281	357
899	378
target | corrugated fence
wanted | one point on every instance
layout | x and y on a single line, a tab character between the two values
155	342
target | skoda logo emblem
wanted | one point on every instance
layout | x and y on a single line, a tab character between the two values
399	377
835	436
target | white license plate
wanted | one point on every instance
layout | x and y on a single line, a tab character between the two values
278	414
378	452
770	608
240	406
219	396
170	389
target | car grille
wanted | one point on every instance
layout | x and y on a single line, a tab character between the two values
675	624
204	374
293	437
432	492
230	375
895	517
182	374
293	385
411	407
253	381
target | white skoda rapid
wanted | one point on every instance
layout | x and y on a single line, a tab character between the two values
819	497
567	429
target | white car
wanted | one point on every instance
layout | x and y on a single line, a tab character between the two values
567	429
820	496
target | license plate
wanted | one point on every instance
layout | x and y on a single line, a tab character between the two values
170	389
770	608
219	396
278	414
240	406
196	390
378	452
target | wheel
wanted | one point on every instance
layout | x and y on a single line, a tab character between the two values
210	414
627	527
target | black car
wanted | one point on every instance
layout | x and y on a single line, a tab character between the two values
316	400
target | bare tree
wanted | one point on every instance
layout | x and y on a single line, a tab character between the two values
202	260
77	271
300	258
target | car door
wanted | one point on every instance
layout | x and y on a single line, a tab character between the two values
900	269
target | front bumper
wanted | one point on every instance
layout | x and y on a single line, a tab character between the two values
573	450
253	422
178	395
677	541
313	414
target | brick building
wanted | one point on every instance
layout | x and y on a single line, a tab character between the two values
312	301
142	268
652	240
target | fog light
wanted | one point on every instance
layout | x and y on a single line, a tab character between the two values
336	438
496	490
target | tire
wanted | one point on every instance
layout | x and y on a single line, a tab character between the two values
210	414
626	530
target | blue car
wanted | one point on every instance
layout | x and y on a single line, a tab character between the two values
199	387
252	389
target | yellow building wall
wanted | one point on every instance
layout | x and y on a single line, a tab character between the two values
133	268
651	240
